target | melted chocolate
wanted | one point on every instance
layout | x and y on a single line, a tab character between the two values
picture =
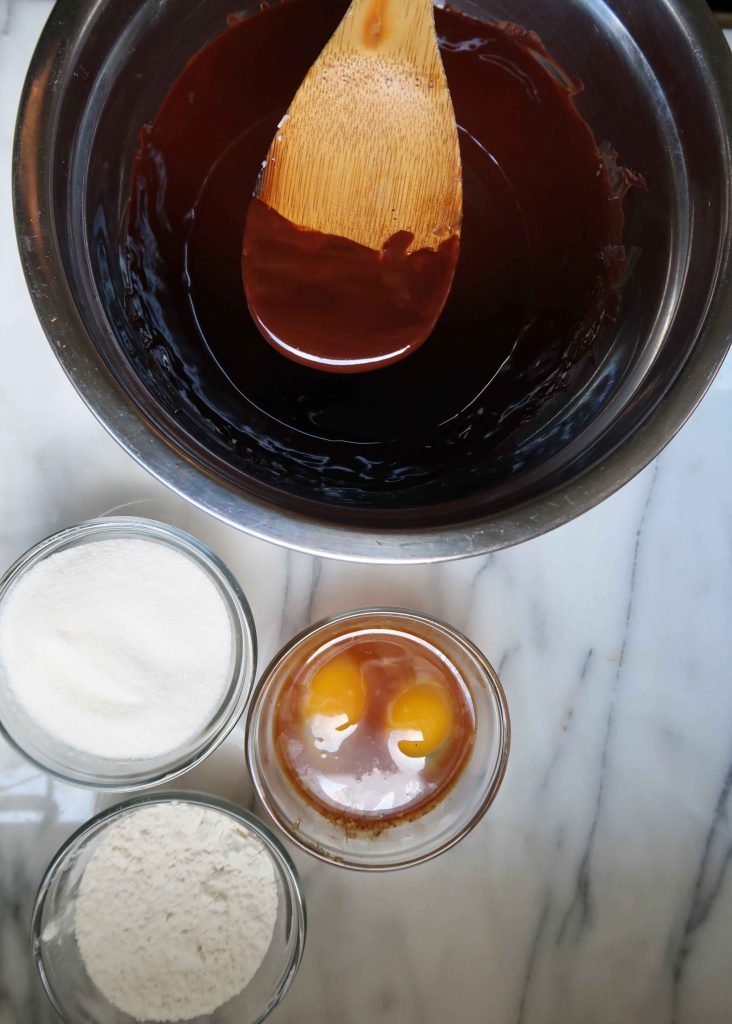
338	306
540	263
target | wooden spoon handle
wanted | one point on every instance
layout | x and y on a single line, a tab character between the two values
403	27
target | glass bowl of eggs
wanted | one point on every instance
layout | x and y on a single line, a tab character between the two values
378	738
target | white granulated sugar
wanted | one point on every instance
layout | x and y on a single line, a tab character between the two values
117	648
175	911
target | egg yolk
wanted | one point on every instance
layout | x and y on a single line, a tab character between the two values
422	708
335	690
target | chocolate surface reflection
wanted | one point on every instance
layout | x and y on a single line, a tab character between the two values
541	259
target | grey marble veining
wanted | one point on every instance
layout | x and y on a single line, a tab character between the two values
598	889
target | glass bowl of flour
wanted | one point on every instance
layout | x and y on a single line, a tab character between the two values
127	653
173	907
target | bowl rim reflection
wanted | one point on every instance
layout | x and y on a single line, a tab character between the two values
277	853
493	684
240	687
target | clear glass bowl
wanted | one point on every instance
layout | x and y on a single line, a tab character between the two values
408	842
74	766
56	952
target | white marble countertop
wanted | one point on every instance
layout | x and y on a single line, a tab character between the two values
597	889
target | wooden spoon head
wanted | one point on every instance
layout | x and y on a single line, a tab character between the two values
353	236
369	146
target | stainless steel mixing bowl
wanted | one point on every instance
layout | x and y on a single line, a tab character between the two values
658	84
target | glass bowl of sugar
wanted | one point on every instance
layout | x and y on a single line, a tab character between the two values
169	907
127	653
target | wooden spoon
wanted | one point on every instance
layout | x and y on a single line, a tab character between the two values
353	235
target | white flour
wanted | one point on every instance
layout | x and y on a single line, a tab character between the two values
117	648
175	912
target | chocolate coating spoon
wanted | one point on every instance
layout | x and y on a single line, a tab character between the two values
353	235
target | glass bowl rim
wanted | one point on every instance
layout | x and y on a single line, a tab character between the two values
232	707
276	850
494	686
